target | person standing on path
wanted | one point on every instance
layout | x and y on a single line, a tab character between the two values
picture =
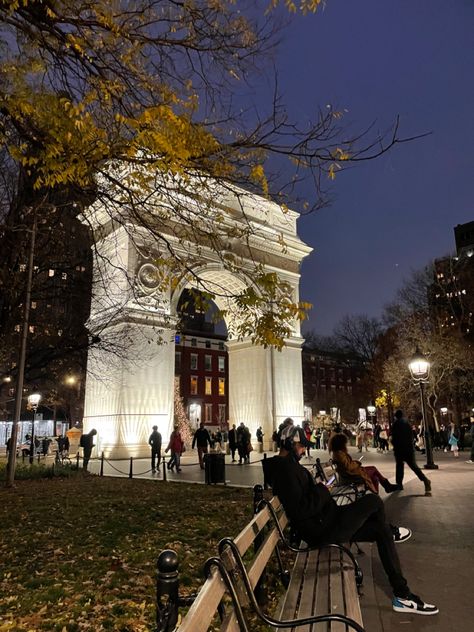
404	450
202	439
232	442
155	442
471	460
87	443
454	440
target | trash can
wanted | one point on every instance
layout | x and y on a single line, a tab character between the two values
214	468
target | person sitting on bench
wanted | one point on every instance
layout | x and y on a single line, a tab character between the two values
351	471
319	520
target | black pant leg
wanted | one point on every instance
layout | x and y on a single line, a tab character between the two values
399	470
411	462
364	521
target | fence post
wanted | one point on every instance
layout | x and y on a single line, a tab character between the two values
130	474
164	468
77	461
265	481
167	585
102	464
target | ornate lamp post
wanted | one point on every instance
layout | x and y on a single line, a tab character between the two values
420	372
33	401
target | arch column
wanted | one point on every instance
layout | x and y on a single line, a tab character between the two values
265	386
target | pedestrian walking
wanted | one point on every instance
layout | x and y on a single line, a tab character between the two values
454	440
155	442
259	434
404	451
202	440
233	442
176	446
87	443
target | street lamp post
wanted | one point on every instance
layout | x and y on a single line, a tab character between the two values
33	401
420	372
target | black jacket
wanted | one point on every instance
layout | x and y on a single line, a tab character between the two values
309	506
201	438
402	438
155	440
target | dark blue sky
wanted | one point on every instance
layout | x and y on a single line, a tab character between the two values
377	59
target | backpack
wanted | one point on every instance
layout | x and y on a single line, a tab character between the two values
81	441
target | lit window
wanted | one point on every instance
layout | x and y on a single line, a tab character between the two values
194	385
64	276
17	327
83	269
31	329
207	363
208	412
33	304
51	273
208	390
60	332
221	361
22	267
194	362
221	386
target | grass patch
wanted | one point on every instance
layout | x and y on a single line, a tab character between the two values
80	553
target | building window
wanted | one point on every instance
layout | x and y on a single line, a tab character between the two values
221	361
208	344
22	267
33	304
31	329
194	385
194	362
177	360
221	346
64	276
193	342
222	418
17	327
221	386
207	412
208	390
208	363
51	273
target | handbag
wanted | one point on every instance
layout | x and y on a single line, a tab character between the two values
249	448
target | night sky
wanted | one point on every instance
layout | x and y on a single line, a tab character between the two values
377	59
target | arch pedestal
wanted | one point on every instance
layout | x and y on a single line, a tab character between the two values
265	386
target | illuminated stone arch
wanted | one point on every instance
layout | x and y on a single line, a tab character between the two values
127	394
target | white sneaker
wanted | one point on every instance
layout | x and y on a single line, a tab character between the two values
400	534
414	605
470	461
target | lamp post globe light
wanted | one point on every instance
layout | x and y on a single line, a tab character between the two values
420	373
33	401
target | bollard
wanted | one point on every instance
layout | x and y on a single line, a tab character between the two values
130	473
164	469
167	584
257	496
264	467
102	464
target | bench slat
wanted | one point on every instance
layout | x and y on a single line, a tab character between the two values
201	612
336	588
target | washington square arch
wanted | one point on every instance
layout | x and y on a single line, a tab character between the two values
128	393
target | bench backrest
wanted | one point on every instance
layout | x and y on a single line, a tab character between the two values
203	609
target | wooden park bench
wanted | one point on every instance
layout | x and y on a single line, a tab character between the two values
320	593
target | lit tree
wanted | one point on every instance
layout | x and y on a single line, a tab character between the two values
180	417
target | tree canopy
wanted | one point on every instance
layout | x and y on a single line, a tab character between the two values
119	100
